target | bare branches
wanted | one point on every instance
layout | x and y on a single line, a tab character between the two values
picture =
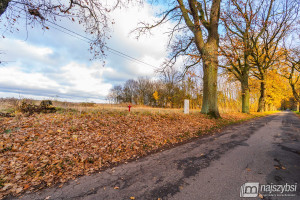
187	15
184	17
146	27
277	26
291	70
92	14
179	49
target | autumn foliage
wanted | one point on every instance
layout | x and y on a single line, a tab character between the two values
46	149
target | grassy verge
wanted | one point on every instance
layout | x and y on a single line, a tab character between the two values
45	149
297	113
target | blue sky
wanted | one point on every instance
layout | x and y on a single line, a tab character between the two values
49	64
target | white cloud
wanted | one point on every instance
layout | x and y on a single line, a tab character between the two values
84	79
18	50
76	80
150	49
52	63
14	77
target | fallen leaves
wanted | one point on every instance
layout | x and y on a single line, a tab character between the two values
45	149
75	137
278	167
26	186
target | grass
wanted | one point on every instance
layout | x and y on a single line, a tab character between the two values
297	112
1	182
9	105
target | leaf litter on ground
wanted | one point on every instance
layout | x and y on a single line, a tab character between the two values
41	150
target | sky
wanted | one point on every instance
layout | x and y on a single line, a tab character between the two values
49	64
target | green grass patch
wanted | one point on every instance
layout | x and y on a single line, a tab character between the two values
7	131
1	182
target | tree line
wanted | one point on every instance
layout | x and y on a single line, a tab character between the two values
168	91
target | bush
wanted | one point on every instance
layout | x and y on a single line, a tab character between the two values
29	108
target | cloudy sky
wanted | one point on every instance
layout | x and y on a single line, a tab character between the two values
53	65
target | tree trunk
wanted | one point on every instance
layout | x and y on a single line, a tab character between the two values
3	6
208	49
262	98
210	77
245	94
269	107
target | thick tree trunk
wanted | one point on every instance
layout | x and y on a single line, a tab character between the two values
262	98
3	6
208	49
210	77
245	94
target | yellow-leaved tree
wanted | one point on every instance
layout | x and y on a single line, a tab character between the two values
156	96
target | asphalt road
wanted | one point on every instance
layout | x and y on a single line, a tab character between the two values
265	151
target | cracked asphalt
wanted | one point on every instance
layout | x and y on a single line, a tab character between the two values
265	150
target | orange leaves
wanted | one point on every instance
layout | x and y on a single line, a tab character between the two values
26	186
46	149
75	137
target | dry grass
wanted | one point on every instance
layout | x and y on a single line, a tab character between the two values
10	104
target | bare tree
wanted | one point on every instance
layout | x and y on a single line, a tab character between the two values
292	71
265	53
254	30
171	78
199	23
244	21
130	91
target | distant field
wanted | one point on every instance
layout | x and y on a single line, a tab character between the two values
9	105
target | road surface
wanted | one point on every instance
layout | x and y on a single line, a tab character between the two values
264	151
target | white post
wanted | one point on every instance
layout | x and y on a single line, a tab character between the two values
186	106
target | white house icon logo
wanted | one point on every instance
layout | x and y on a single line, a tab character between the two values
249	190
